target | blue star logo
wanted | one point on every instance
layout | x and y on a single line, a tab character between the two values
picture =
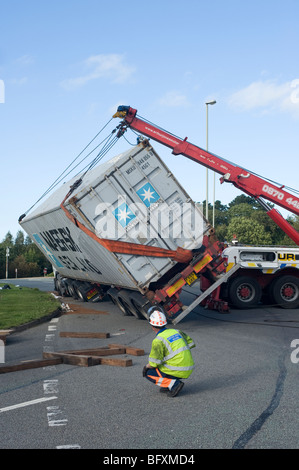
147	194
123	214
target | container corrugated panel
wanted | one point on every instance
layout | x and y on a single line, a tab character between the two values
132	197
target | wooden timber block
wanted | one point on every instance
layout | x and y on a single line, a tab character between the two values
129	349
109	361
87	360
97	352
66	334
72	359
4	334
31	365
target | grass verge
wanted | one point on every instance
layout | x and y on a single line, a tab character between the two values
20	305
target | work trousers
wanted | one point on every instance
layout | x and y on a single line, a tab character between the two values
161	379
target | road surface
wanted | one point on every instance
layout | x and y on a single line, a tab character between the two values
243	393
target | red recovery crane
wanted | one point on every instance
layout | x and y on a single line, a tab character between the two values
242	179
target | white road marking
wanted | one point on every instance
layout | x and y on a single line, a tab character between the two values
50	386
70	446
55	416
50	337
26	403
52	328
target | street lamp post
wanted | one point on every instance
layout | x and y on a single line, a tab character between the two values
7	256
207	171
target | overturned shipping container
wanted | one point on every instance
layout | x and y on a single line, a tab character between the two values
128	224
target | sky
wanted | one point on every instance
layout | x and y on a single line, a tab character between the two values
66	65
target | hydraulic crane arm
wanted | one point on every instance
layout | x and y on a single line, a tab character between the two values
247	182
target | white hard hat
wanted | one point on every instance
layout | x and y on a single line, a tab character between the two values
157	318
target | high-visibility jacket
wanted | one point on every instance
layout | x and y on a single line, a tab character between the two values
171	353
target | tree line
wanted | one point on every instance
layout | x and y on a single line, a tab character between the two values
25	258
242	218
245	219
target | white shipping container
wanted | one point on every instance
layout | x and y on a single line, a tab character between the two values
133	198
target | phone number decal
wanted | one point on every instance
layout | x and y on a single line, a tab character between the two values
280	196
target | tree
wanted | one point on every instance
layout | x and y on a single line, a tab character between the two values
6	243
8	240
248	231
24	268
243	199
19	246
240	210
24	256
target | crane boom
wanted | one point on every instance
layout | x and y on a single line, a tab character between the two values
244	180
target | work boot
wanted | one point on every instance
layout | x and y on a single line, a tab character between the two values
164	389
175	390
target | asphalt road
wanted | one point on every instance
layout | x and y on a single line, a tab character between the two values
243	393
42	283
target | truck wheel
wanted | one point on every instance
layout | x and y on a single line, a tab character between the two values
60	287
245	292
81	288
140	309
140	304
113	294
125	300
56	283
71	289
284	291
123	307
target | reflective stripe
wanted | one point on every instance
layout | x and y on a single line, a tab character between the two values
178	368
174	353
165	343
171	384
161	381
156	361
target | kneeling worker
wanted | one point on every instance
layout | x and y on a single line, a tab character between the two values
170	358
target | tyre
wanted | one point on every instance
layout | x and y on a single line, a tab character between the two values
284	291
113	294
122	306
140	304
245	292
71	289
81	289
124	297
60	286
142	313
56	283
128	302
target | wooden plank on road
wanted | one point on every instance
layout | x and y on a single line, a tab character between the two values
98	351
31	365
129	349
109	361
88	360
72	334
72	359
